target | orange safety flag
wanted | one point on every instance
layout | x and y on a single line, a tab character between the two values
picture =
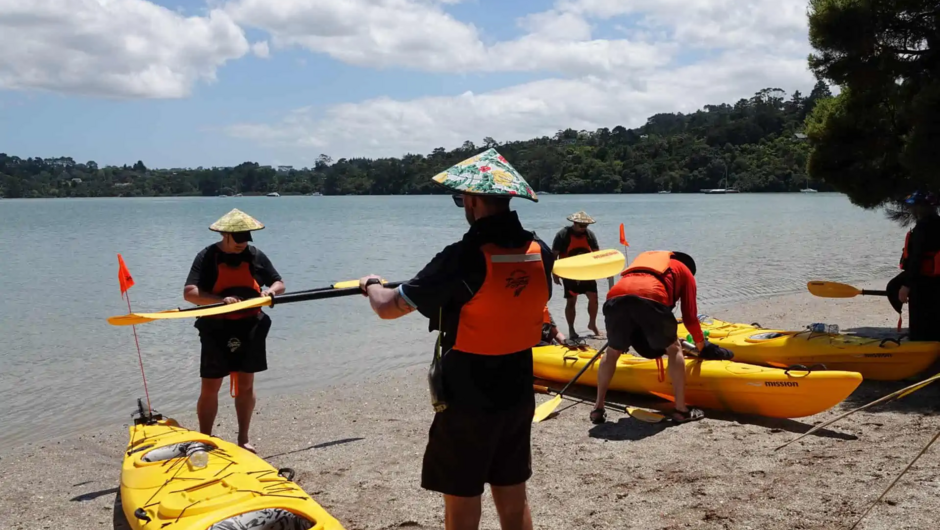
124	276
623	238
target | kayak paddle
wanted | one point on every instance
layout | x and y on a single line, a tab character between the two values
545	409
644	415
894	395
839	290
346	288
592	266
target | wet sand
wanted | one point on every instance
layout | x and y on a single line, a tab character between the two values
357	450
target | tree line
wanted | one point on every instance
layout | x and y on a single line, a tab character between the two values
753	145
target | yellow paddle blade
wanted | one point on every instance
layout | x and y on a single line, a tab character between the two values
832	290
591	266
545	409
644	415
140	318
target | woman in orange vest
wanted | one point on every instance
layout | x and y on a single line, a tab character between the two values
920	262
572	241
638	313
486	295
233	344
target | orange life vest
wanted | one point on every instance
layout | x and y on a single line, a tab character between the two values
506	315
577	245
644	278
930	266
546	316
230	277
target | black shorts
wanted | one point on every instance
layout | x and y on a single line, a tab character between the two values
230	345
648	326
575	287
468	448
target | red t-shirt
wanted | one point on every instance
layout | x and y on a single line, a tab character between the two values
680	282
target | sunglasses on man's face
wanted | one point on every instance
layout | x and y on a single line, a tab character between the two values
458	200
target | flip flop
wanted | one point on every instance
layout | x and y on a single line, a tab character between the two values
693	414
598	419
248	447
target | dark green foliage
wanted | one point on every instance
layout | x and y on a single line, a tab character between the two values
752	142
878	140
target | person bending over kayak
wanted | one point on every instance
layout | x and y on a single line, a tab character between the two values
920	262
571	241
638	313
550	332
486	296
233	344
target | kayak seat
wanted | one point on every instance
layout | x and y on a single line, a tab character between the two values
266	519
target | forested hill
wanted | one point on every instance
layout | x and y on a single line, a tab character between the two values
756	142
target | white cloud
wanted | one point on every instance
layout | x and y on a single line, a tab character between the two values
371	33
387	127
720	23
261	49
600	83
112	48
420	35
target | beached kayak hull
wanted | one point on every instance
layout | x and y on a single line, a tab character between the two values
719	385
876	359
235	489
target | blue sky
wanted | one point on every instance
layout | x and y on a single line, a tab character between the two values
130	80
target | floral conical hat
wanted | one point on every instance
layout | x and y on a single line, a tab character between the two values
236	221
488	173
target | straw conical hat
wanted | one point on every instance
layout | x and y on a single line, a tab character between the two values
581	218
487	173
236	221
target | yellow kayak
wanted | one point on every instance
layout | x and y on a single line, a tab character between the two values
163	487
874	358
719	385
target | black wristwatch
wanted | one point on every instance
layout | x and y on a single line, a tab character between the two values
370	281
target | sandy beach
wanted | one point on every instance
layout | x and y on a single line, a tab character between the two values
357	450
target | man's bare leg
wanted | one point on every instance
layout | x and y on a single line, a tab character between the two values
208	404
605	372
512	505
592	314
570	312
676	363
462	513
244	407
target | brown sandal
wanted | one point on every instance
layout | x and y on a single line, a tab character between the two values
600	418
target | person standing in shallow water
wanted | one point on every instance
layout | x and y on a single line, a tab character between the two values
920	262
486	295
233	344
572	241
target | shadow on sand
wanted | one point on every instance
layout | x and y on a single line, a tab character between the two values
627	428
316	446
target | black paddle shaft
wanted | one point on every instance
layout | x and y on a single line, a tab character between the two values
874	293
302	296
586	366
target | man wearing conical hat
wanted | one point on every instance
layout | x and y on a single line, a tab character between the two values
572	241
486	296
233	344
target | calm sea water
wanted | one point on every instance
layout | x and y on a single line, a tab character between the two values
64	369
